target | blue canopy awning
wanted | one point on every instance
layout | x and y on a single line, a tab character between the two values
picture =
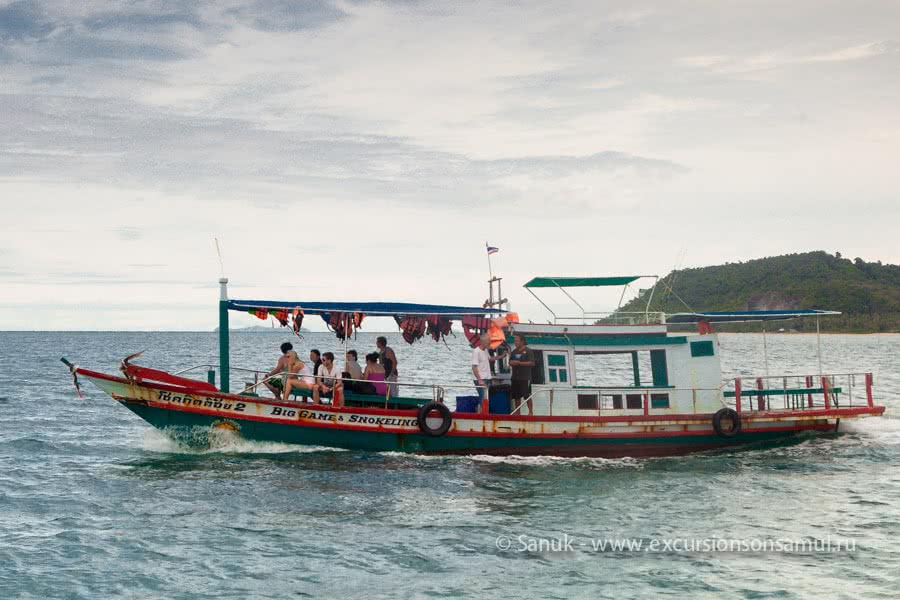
740	316
387	309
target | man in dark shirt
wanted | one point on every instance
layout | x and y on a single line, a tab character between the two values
316	358
521	359
389	361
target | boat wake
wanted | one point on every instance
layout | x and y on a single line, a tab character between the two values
883	431
204	441
528	461
551	461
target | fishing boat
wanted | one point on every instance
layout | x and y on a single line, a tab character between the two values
666	395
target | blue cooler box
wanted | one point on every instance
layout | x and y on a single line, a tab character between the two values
468	404
498	400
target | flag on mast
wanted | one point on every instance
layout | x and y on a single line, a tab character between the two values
491	249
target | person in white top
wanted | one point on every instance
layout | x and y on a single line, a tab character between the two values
481	365
329	378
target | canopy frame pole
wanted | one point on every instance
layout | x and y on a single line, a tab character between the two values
224	334
765	348
536	297
649	300
622	296
583	312
818	345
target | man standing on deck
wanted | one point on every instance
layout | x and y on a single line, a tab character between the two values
389	361
521	359
481	365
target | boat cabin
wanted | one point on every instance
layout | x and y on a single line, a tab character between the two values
631	369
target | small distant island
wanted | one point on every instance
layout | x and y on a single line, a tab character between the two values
866	293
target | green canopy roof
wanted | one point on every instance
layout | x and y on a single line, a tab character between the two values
549	282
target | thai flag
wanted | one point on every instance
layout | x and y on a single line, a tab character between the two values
492	250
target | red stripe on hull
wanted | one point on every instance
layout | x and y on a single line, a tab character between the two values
473	434
748	417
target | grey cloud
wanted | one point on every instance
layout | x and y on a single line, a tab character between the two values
23	19
77	138
161	14
286	15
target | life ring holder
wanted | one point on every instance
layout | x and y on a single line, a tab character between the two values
726	414
446	419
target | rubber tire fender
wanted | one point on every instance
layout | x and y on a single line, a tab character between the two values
447	419
726	413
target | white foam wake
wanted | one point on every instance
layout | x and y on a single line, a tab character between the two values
883	430
533	461
220	442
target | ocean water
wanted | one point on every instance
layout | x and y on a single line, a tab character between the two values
95	504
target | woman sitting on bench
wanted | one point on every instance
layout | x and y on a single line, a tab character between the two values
299	376
374	376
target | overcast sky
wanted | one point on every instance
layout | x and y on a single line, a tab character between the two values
357	150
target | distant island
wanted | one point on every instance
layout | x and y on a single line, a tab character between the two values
868	294
259	329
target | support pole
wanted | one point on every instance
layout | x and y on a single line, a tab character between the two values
636	367
826	392
819	346
224	333
737	394
869	397
765	349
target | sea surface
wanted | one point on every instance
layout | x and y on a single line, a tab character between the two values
96	504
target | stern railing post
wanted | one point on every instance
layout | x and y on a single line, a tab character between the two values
224	333
869	398
737	394
826	393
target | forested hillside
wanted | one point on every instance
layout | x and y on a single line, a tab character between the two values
867	293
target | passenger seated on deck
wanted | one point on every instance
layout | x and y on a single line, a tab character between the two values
374	376
275	385
329	378
299	376
352	371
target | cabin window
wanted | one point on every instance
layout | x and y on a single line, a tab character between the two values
633	401
704	348
631	368
588	402
604	369
659	401
557	368
613	401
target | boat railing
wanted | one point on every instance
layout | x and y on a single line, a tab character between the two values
438	391
613	318
647	399
799	392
